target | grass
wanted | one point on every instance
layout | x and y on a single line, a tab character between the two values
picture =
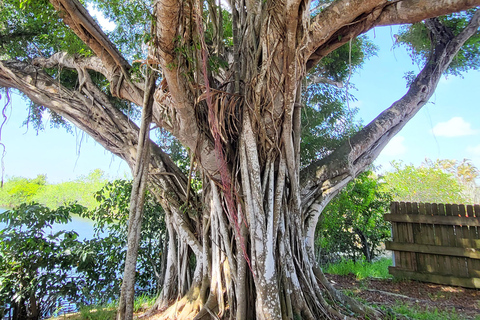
108	312
361	269
143	302
415	312
379	269
97	313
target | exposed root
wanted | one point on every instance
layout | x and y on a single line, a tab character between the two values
339	296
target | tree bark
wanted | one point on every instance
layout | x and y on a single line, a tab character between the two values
137	199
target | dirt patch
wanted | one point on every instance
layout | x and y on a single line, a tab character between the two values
423	295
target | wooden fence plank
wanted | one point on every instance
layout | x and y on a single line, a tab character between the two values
463	233
436	278
432	249
429	219
436	242
422	262
475	235
429	239
450	231
456	264
441	232
402	236
412	259
396	255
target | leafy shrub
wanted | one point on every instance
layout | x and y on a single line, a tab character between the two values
352	224
37	267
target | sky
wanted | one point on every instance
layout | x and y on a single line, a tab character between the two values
447	127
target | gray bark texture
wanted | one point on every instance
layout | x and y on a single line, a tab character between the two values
251	227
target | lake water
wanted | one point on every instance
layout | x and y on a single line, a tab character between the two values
82	226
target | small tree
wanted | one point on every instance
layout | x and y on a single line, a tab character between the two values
426	183
353	222
36	267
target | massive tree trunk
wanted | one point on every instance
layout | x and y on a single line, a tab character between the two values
251	228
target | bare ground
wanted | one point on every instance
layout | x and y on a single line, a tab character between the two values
386	292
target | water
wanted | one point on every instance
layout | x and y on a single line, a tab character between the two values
84	228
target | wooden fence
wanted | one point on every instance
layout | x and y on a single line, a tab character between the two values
437	243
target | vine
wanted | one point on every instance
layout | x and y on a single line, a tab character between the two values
5	118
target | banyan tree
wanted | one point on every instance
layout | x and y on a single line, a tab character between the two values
229	81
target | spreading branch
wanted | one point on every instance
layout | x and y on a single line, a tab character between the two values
84	26
91	111
325	38
64	60
324	178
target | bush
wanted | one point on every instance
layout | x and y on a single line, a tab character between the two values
36	267
352	224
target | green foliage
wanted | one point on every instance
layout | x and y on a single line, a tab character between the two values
326	123
36	266
464	172
353	222
102	258
361	269
22	190
82	190
97	312
327	120
423	184
133	25
417	39
19	190
143	302
32	28
339	64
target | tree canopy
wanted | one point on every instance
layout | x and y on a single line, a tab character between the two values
247	88
440	181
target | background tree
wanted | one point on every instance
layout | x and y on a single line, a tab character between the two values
17	190
39	266
426	183
230	91
464	172
352	223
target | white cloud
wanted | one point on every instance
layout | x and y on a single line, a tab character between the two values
395	147
106	24
474	150
455	127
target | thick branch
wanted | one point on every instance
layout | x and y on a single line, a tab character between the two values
82	64
316	79
411	11
326	36
323	179
92	113
176	99
323	176
84	26
336	16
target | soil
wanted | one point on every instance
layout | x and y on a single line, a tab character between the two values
386	292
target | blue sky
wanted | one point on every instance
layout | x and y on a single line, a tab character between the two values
446	128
